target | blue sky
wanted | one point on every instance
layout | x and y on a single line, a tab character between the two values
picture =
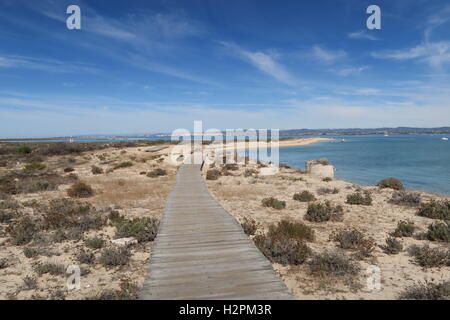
154	66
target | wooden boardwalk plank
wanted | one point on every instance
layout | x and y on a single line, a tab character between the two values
201	251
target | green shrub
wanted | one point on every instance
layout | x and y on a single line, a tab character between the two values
128	291
94	243
213	174
85	257
304	196
231	167
360	199
273	203
355	240
283	251
31	252
427	291
439	231
112	257
332	264
322	161
24	149
96	170
404	229
327	179
405	198
22	231
250	172
322	191
430	257
80	190
54	269
393	246
320	212
143	229
157	173
249	226
35	166
391	183
435	210
124	164
292	230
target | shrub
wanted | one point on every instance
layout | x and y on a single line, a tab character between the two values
273	203
80	190
4	263
31	252
327	179
213	174
22	231
322	191
292	230
393	246
355	240
435	210
157	173
284	251
231	167
112	257
439	231
427	291
405	198
68	213
392	183
143	229
35	166
29	283
304	196
94	242
51	268
24	149
360	199
430	257
85	257
128	291
320	212
322	161
124	164
6	216
249	226
250	172
332	264
404	229
69	169
96	170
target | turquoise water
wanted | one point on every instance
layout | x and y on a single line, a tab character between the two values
421	162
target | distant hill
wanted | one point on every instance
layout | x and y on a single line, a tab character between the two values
361	131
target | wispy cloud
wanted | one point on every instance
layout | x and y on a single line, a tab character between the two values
265	62
347	71
436	54
325	55
47	65
362	34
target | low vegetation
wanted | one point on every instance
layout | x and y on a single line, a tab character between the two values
322	191
430	257
292	230
320	212
273	203
393	246
35	166
391	183
435	210
427	291
113	257
213	174
359	198
284	251
404	229
143	229
96	170
304	196
80	190
22	231
157	173
354	240
438	231
94	243
332	264
249	226
405	198
124	164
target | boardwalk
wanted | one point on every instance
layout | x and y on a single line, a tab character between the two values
201	251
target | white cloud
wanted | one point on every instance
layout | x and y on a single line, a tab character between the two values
327	56
264	62
362	34
436	54
346	71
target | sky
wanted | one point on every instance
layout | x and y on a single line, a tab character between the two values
142	66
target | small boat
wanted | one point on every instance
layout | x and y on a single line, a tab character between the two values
343	140
445	139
